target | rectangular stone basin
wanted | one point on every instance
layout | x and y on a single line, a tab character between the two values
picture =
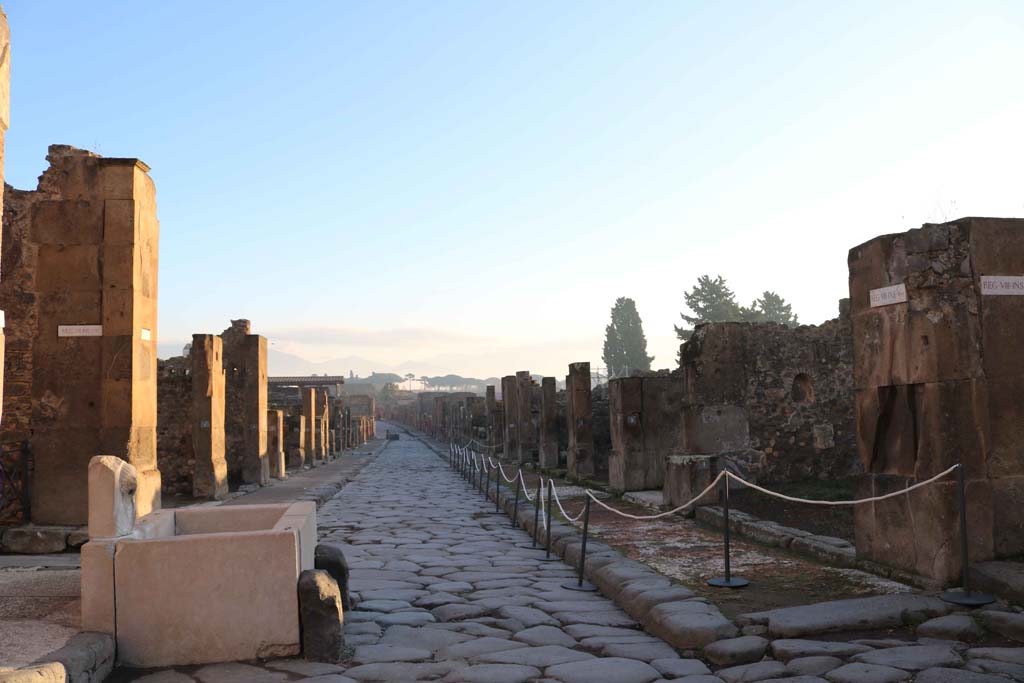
201	585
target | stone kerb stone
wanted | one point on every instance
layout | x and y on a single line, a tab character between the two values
321	617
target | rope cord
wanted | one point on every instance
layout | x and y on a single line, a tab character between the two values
572	520
663	514
873	499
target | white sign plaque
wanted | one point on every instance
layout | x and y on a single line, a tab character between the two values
80	330
885	296
145	334
1002	285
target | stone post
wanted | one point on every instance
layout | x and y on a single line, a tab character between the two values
580	459
510	405
548	425
210	473
491	410
275	444
323	414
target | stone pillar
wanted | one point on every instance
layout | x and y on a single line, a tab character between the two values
527	431
255	464
210	473
80	292
491	410
296	441
312	424
275	444
580	458
510	405
5	110
938	380
323	407
644	413
548	424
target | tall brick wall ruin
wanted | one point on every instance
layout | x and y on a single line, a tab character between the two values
776	401
938	377
79	258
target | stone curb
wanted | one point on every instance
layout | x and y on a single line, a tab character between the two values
86	658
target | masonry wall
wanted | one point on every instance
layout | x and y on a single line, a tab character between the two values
80	293
175	451
245	405
938	382
776	401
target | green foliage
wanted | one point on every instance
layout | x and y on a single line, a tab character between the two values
625	346
711	301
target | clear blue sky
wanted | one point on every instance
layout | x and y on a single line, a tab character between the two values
469	185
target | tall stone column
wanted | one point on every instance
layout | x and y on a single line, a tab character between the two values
79	288
491	410
5	111
255	464
323	414
548	424
210	473
524	411
312	424
580	458
275	444
510	407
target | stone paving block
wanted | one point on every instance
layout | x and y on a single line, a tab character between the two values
946	675
813	666
911	658
958	627
607	669
734	651
547	655
679	668
866	673
748	673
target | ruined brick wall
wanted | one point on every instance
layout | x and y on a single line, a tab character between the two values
776	400
175	452
80	293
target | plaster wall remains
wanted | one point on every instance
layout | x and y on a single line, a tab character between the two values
774	402
937	319
79	288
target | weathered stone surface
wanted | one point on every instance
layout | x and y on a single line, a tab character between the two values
688	624
678	668
112	486
37	673
30	540
1013	655
492	673
607	669
331	558
544	656
1005	579
747	673
545	635
787	649
812	666
877	612
321	616
733	651
1008	624
946	675
912	658
956	627
372	654
866	673
235	672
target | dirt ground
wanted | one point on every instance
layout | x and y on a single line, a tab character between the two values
826	521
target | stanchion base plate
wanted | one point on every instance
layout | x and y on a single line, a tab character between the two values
574	585
968	598
734	582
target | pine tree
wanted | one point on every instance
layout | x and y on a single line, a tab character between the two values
711	301
625	346
771	308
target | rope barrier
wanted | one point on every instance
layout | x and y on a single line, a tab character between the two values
673	511
873	499
572	520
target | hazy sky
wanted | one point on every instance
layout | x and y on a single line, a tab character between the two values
470	185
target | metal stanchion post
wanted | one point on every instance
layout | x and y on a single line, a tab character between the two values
497	490
580	584
536	511
729	581
547	546
965	597
515	504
